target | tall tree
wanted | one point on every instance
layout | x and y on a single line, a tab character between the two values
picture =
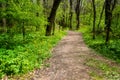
101	14
71	13
94	18
109	7
51	18
78	14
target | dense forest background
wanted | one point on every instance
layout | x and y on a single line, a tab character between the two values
30	28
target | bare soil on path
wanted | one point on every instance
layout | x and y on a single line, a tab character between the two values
68	61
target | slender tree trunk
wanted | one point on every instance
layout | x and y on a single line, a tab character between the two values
67	20
23	31
63	21
51	18
71	13
3	20
37	14
78	14
94	18
4	24
108	18
10	21
90	16
53	32
101	16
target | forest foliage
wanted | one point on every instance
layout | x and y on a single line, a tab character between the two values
112	49
23	44
24	24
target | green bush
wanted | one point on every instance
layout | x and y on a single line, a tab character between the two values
24	56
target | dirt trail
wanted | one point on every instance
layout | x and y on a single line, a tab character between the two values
69	60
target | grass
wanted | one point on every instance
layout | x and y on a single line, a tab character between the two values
101	70
111	50
19	57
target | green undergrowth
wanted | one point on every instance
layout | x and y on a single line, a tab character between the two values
102	71
112	50
18	56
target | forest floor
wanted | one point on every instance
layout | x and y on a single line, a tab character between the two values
73	60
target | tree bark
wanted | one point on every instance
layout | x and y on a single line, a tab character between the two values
53	30
94	18
23	30
51	18
78	14
108	18
101	16
71	14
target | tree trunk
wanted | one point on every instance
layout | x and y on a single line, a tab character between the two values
90	16
23	31
78	14
101	16
37	15
108	18
94	18
51	18
53	32
3	20
71	14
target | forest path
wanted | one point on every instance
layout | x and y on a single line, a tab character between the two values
69	61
